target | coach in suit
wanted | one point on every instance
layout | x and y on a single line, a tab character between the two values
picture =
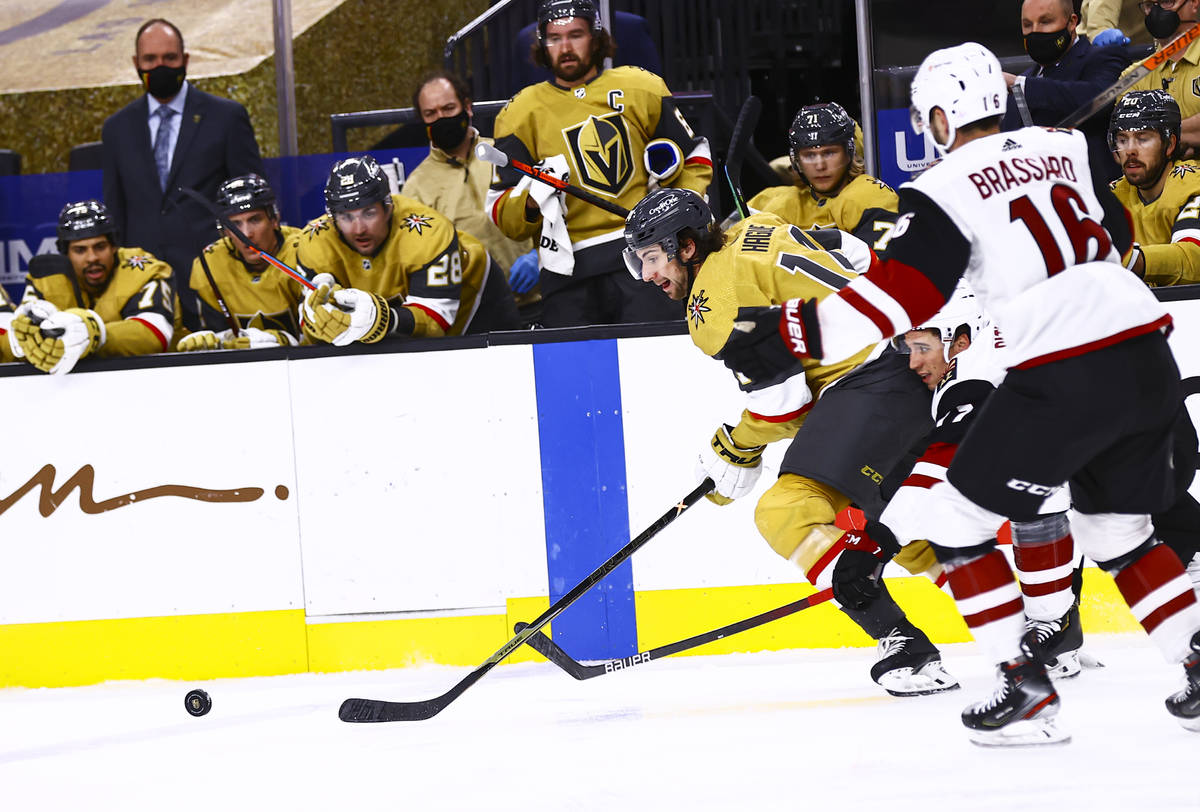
174	135
1069	73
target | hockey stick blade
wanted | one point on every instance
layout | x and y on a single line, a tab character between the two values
378	710
493	155
580	671
743	130
237	232
1140	70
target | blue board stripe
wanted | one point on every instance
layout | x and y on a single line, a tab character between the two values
582	439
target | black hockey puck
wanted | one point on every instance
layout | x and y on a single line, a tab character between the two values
197	702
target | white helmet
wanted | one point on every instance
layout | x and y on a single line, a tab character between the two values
962	308
965	81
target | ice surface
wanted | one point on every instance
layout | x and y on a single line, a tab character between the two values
798	730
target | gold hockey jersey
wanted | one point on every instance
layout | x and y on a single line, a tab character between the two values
767	262
266	299
866	207
602	128
1167	228
425	264
137	306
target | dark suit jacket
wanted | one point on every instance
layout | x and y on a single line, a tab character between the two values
215	143
1081	75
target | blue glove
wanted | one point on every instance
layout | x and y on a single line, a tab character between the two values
524	273
1110	36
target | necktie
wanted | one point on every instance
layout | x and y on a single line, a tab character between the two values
162	144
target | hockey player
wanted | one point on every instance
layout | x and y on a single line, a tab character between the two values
384	264
834	192
260	297
92	298
616	133
1161	194
958	355
1017	213
847	423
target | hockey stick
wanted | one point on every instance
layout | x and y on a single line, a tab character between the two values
1174	48
743	129
378	710
552	652
237	232
220	299
487	152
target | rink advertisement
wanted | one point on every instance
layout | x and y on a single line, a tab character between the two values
384	509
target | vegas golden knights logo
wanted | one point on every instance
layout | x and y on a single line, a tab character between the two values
600	147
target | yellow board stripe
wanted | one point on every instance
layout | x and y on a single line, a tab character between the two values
195	647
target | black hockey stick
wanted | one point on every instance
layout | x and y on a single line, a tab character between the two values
554	653
743	130
1174	48
489	153
220	299
379	710
237	232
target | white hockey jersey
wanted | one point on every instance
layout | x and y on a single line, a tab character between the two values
1017	214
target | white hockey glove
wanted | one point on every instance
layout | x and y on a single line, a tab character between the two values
252	338
202	340
26	321
663	160
734	470
63	338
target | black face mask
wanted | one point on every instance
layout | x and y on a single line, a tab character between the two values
1161	23
163	82
1047	47
448	133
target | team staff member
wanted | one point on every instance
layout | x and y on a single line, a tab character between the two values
260	297
455	182
848	424
615	133
1162	195
1165	20
834	191
96	299
387	265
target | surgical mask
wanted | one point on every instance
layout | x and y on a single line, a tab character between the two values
447	133
1047	47
163	82
1161	23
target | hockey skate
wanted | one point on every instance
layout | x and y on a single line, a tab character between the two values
1185	704
1056	643
910	665
1021	711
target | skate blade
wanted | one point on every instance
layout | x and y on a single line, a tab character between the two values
931	678
1189	724
1022	733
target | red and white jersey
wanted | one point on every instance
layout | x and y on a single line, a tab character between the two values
1017	214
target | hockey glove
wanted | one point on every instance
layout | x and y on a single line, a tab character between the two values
63	338
252	338
768	341
734	470
27	320
858	571
322	322
202	340
663	160
524	273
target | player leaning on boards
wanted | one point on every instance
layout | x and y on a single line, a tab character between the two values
834	191
260	297
615	133
92	298
383	264
1018	215
1161	194
871	410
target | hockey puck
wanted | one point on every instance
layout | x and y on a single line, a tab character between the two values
197	702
